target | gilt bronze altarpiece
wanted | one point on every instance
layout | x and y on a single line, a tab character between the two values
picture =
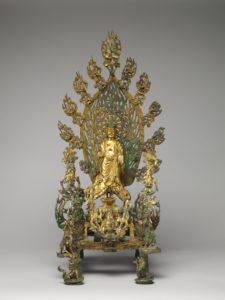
102	216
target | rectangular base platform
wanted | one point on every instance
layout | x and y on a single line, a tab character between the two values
115	245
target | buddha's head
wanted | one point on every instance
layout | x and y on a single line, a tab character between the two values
111	132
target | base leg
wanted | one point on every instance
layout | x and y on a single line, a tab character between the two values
81	253
136	253
74	273
142	268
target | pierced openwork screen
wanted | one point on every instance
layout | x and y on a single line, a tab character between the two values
112	108
112	139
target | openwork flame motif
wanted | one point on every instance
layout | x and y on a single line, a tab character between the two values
112	140
111	50
113	108
94	72
129	71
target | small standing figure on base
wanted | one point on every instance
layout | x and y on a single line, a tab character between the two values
74	275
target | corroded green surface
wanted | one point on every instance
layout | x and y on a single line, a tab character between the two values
112	108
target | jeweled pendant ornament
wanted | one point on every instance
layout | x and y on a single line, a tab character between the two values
102	216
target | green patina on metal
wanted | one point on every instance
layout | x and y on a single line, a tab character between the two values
112	139
112	108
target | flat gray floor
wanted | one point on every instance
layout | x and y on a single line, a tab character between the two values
178	275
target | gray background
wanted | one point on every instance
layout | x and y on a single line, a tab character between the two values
181	45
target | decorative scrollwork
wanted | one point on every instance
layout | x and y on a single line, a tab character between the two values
69	158
68	212
112	140
80	86
70	108
67	134
111	50
157	138
153	111
143	86
146	215
110	221
85	166
94	71
128	72
113	108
